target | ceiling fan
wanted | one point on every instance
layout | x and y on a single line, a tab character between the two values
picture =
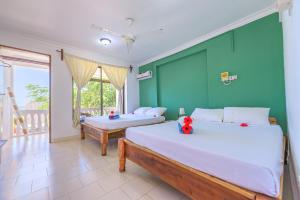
129	38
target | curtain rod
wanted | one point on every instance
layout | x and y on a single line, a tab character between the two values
62	53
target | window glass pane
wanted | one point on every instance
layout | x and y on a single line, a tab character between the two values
90	98
109	98
91	95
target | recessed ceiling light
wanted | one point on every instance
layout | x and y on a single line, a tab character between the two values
105	41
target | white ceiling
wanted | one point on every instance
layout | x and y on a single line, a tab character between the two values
69	22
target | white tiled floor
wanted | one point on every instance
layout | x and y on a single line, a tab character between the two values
32	169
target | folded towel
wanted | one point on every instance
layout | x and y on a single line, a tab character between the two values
112	115
82	118
185	125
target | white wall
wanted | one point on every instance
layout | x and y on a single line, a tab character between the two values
61	81
291	33
131	93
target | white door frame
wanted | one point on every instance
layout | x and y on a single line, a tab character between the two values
7	108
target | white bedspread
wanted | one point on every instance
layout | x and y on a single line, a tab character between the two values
250	157
126	120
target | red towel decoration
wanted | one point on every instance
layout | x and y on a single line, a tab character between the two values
244	124
185	125
187	120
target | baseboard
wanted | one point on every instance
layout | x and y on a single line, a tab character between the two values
293	177
63	139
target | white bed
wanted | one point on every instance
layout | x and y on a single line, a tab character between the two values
250	157
126	120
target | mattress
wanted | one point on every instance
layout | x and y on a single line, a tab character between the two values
250	157
126	120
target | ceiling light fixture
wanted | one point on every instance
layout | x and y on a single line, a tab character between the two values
105	41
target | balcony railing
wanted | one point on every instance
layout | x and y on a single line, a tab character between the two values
35	121
91	111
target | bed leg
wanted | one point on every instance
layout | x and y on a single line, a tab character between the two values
82	133
263	197
104	141
122	158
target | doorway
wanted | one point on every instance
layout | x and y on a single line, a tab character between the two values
25	92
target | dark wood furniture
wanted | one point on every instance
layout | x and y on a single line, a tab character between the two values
102	135
193	183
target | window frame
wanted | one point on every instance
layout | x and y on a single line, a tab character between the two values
101	92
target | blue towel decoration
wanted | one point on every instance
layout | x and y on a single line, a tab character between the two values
112	115
82	118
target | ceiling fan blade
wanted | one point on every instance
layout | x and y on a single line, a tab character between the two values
93	26
151	32
129	40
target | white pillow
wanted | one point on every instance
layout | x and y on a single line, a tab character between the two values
141	110
254	116
208	115
158	111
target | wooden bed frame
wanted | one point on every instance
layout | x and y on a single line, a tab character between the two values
101	135
193	183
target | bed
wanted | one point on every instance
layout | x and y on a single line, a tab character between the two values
103	129
232	162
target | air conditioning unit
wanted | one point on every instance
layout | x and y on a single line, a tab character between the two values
144	75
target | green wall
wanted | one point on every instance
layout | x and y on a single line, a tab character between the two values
191	78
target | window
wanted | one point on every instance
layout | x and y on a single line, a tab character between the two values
109	97
98	97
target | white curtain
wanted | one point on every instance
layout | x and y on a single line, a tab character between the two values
82	71
117	76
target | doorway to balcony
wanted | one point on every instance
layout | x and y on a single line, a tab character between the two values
25	92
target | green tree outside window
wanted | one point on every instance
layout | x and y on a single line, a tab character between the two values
91	95
39	94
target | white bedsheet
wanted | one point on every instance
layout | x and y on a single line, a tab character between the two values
126	120
250	157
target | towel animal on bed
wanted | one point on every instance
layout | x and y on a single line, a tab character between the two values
185	125
113	115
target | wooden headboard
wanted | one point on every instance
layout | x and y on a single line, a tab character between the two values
273	120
